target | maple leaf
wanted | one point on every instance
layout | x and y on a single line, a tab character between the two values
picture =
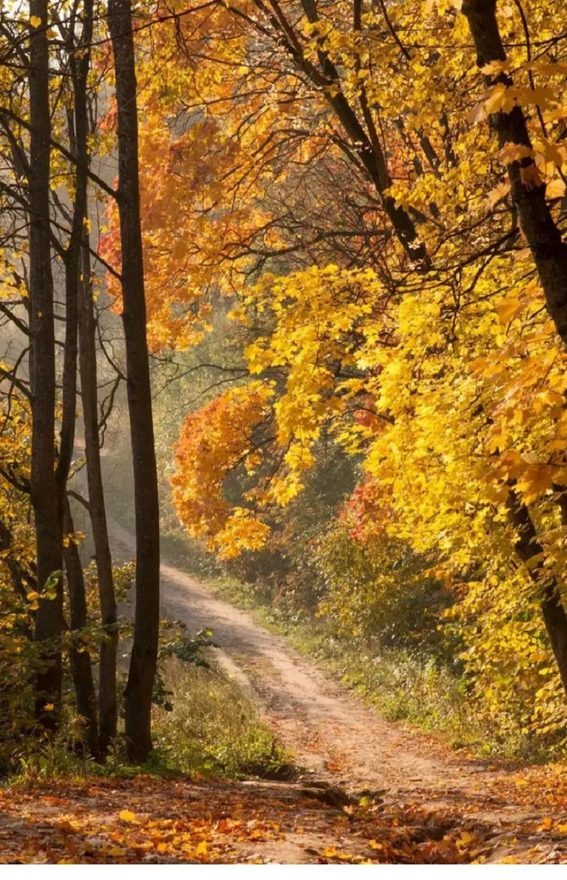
129	816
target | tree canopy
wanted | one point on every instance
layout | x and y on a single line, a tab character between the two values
349	217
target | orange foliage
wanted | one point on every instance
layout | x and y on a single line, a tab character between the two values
215	441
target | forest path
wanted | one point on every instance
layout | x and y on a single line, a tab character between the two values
341	741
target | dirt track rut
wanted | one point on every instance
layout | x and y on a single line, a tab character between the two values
333	734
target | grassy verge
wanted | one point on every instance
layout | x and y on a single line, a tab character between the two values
211	728
203	727
401	685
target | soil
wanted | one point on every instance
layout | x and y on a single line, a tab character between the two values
344	744
366	790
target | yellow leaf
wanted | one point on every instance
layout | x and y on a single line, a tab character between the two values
115	851
129	816
500	98
35	21
498	193
508	310
464	839
514	153
494	67
555	189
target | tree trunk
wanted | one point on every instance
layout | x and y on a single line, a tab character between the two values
365	141
108	712
528	193
531	553
108	709
46	506
80	658
77	124
146	623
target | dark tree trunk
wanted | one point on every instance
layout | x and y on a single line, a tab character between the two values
80	660
528	194
108	710
81	670
531	553
46	505
146	623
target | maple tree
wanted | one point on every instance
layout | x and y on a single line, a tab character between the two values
373	196
347	219
430	352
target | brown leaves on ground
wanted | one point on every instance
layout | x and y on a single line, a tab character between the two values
152	820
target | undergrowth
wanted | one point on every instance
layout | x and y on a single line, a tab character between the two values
211	728
403	685
203	726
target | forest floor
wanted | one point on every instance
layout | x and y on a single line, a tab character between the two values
368	790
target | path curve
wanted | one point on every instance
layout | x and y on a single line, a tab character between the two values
332	733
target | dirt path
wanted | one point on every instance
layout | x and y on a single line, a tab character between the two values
343	742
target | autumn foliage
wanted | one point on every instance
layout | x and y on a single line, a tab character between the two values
221	437
400	311
356	211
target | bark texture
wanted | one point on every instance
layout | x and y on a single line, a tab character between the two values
143	660
108	709
46	504
528	193
531	552
108	712
81	669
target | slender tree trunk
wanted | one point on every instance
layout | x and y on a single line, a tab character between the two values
80	658
80	661
531	553
528	192
108	711
365	141
146	624
46	506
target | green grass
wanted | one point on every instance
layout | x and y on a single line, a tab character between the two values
213	729
210	730
402	685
